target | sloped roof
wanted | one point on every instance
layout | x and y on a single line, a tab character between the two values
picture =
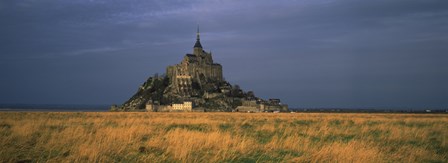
198	44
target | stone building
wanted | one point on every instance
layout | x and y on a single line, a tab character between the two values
195	69
262	106
186	106
248	106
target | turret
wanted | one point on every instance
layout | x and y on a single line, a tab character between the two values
197	46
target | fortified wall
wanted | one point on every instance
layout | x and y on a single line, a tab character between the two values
183	107
262	106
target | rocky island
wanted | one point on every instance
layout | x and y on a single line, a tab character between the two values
196	84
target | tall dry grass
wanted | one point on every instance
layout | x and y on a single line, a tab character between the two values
222	137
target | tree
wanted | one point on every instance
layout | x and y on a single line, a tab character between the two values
250	95
236	91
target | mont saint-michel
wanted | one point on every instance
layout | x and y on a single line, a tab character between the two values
196	84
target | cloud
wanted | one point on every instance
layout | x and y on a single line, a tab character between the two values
96	50
363	49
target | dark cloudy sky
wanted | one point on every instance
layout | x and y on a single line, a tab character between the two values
309	53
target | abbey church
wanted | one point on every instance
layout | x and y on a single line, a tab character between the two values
196	84
194	68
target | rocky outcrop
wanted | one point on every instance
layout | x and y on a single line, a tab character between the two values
196	79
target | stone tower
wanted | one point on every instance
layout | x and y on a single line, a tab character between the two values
195	70
197	48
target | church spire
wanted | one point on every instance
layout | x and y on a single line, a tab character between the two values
198	43
197	34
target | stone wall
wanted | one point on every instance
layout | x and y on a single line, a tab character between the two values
271	108
197	67
185	107
247	109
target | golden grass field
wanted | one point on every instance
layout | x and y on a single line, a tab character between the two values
222	137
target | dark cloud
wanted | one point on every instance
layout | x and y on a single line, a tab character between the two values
322	53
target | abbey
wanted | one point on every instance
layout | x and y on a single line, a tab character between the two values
195	84
194	68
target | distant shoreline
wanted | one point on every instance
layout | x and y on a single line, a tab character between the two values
106	108
295	111
52	108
